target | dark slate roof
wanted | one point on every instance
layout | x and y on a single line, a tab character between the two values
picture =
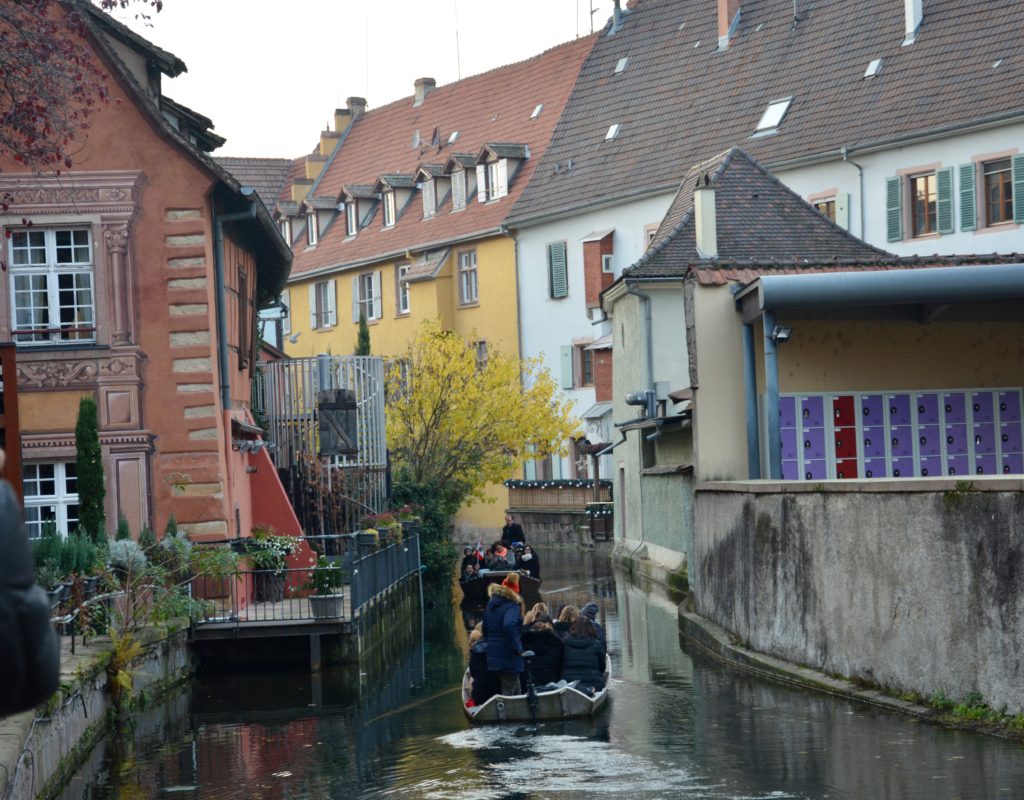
506	150
680	98
465	160
433	170
268	176
398	181
757	217
362	191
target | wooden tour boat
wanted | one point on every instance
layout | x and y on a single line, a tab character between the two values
475	590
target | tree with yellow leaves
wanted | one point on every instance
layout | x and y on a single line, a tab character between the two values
459	416
460	419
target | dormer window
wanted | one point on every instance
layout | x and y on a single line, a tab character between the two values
285	226
773	115
351	220
312	229
495	183
388	201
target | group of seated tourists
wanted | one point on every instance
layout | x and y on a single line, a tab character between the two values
569	649
499	557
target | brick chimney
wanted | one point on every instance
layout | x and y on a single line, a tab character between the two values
728	17
914	13
705	227
356	107
423	87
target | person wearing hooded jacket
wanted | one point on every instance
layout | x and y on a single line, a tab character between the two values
583	656
502	626
590	612
540	637
29	668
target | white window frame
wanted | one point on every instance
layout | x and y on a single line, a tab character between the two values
496	176
606	264
401	290
469	288
388	204
323	305
312	229
60	503
773	115
459	189
366	297
44	275
285	226
351	220
429	191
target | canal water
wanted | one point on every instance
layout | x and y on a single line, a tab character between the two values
678	726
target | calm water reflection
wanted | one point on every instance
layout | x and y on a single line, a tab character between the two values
679	726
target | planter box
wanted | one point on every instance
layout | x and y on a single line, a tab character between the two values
327	606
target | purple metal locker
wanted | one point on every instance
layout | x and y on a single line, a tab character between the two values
872	407
927	409
814	443
985	465
899	408
1013	463
812	410
790	470
903	467
787	412
1011	439
815	470
982	405
929	440
874	468
789	443
956	440
955	404
874	442
985	438
1009	406
901	438
957	465
931	467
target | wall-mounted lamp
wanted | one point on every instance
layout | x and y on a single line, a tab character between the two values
781	333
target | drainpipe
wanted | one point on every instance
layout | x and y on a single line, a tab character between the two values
221	297
750	397
860	191
771	379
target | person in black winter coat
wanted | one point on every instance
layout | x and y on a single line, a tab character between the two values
29	666
485	683
530	562
590	612
546	664
503	621
583	657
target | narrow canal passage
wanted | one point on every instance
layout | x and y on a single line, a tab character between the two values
679	726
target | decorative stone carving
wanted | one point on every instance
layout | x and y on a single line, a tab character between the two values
53	374
116	239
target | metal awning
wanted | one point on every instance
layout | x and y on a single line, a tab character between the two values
597	411
886	287
596	236
604	343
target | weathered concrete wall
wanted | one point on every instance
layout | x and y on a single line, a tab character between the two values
917	586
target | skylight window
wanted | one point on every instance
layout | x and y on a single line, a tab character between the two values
621	66
997	63
537	110
613	131
772	117
873	68
454	135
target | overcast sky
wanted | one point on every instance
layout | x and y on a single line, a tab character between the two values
270	73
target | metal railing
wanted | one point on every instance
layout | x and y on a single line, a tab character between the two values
285	596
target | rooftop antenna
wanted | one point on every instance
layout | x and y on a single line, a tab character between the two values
458	55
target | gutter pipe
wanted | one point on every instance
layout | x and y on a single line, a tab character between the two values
860	191
221	296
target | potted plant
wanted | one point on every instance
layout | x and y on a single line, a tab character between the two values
325	582
267	551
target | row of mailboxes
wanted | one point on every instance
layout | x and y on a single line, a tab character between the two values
973	432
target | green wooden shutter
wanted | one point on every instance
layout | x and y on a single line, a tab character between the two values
558	276
894	209
567	360
944	200
968	198
1018	189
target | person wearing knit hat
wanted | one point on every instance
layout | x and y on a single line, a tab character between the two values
502	626
590	612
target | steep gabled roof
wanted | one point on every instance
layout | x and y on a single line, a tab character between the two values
494	107
680	97
757	217
268	176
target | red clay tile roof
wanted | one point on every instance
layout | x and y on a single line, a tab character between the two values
681	99
492	107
